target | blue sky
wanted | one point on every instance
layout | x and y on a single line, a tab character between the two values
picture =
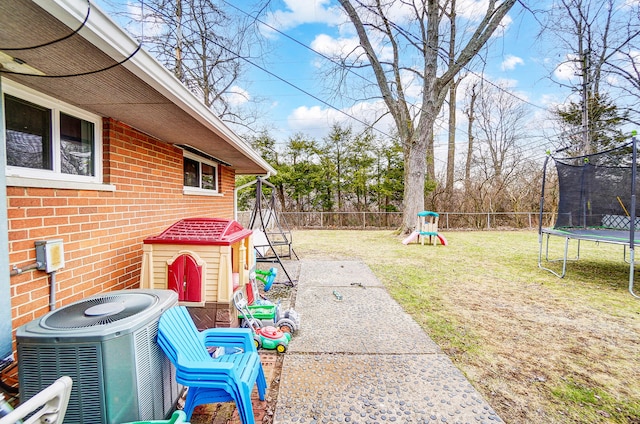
515	59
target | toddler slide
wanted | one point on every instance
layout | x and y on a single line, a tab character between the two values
412	237
443	241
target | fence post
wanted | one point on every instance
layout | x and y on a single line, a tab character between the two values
488	221
364	221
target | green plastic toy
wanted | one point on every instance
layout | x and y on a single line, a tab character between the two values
265	337
271	338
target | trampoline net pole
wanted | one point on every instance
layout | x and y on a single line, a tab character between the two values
632	220
544	182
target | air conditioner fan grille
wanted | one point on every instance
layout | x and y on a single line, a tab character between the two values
98	311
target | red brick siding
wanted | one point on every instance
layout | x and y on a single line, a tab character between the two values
103	231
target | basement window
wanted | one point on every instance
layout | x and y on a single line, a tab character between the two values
200	175
48	139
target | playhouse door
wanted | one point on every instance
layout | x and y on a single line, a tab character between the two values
185	278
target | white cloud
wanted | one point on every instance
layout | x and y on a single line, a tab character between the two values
510	63
143	21
237	96
340	47
568	69
330	46
299	12
473	10
316	120
506	83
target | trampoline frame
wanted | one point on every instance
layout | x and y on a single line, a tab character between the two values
620	237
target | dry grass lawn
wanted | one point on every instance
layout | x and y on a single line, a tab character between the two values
539	348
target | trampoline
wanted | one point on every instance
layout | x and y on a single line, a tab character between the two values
597	200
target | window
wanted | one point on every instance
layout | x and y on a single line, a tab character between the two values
200	175
76	145
28	134
48	139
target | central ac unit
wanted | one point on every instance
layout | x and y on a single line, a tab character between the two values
107	345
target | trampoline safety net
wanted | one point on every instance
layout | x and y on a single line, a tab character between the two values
595	190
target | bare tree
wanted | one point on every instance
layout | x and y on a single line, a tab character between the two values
207	44
500	125
597	39
389	48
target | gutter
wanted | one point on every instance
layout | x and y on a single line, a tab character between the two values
111	39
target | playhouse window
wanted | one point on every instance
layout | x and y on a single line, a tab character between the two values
200	175
48	139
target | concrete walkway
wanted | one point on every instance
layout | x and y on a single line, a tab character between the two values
359	358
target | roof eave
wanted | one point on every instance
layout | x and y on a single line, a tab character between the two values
111	39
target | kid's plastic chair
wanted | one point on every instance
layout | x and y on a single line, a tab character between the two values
228	377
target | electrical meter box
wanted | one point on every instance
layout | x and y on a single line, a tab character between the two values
50	255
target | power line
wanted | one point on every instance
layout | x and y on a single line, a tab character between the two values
350	70
48	43
59	40
78	74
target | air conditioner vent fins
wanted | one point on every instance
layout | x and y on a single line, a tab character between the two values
98	311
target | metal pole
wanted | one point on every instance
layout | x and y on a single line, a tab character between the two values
632	223
544	182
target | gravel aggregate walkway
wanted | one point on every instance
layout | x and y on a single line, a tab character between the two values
359	358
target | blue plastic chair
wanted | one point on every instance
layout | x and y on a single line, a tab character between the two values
229	377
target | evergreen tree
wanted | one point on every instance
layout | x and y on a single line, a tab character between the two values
605	122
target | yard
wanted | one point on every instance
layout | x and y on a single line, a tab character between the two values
539	348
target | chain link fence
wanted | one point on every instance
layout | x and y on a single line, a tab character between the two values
393	220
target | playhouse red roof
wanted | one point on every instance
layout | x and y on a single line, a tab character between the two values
203	231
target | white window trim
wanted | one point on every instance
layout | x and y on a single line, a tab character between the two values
57	106
196	191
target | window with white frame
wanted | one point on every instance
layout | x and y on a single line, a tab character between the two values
48	139
200	174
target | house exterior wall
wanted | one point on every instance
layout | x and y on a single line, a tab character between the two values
103	231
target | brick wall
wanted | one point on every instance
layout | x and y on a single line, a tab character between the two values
103	231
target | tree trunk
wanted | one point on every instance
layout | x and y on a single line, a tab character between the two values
431	166
470	119
415	166
451	147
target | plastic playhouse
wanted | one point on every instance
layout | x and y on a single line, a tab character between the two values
427	230
203	260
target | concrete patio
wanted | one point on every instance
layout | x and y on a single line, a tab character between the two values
358	358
